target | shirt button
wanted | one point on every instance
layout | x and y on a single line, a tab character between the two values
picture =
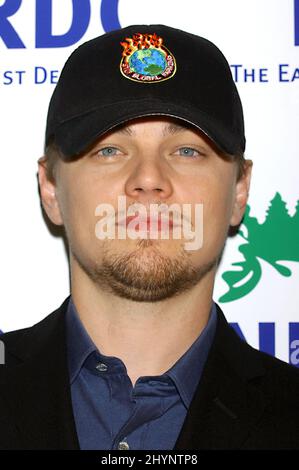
101	367
123	446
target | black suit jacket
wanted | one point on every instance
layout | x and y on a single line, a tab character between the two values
246	399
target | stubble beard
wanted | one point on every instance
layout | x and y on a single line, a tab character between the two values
145	274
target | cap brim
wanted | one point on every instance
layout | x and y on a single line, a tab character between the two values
77	134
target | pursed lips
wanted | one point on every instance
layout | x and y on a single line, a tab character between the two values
156	222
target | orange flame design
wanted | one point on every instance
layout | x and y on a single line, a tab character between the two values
141	41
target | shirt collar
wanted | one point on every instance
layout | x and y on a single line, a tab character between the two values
185	373
79	343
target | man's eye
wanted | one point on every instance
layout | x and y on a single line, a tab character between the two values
189	152
107	152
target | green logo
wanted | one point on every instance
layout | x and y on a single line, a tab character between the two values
275	240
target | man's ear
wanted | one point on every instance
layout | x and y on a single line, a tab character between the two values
48	193
241	194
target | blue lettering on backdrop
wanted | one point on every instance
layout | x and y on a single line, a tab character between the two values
44	21
241	73
79	25
13	76
287	75
42	75
267	338
109	15
294	344
9	35
296	21
7	77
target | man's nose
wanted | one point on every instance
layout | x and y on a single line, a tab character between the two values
149	181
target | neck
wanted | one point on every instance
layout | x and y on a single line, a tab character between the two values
130	330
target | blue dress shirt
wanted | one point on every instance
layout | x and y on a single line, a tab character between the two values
112	414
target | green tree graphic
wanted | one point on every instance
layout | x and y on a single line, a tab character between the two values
275	240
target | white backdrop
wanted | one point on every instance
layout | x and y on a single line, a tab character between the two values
258	39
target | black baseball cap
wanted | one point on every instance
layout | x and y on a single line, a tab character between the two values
145	70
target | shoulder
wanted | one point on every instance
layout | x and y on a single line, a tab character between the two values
22	343
278	373
254	365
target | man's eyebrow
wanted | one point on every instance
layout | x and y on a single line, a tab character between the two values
174	128
123	129
171	128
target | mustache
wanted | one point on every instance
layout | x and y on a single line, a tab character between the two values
152	211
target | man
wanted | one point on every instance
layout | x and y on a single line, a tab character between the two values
139	356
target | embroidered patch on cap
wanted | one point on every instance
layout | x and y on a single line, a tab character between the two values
145	59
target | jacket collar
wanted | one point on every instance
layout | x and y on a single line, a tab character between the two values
225	406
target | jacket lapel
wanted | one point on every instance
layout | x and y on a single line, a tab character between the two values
42	412
226	405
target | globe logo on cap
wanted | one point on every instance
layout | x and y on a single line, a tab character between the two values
145	59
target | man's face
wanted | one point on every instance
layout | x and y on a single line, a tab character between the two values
148	161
